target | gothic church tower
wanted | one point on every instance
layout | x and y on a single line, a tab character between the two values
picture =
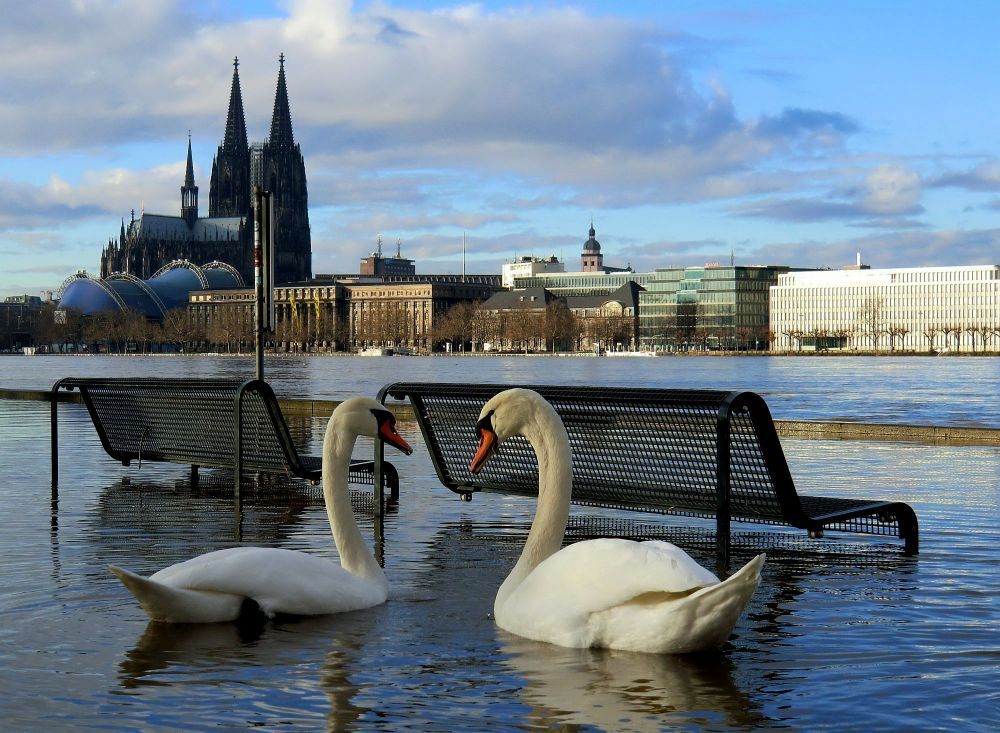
152	241
283	172
229	194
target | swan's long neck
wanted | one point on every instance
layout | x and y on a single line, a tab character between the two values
355	555
548	437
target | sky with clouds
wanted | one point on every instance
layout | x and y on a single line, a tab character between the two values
688	131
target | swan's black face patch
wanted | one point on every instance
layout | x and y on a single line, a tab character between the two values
488	442
387	431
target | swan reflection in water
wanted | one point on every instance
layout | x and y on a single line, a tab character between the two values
618	690
201	658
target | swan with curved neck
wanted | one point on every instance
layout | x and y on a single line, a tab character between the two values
609	593
216	586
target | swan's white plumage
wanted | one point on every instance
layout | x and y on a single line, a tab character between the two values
610	593
213	587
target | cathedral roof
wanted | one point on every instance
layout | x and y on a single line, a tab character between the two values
205	229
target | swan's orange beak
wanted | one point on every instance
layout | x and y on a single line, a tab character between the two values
387	434
487	444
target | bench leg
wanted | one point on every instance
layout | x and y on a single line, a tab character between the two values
378	471
194	476
54	443
909	530
722	542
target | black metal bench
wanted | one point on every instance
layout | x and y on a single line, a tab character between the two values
214	423
697	453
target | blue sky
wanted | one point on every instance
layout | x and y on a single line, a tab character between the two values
774	132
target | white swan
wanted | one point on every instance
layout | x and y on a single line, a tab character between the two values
610	593
214	586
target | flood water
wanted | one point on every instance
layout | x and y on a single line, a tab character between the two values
844	633
909	390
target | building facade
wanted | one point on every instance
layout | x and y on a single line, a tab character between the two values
709	307
375	265
18	316
536	318
350	312
150	241
582	284
908	309
527	266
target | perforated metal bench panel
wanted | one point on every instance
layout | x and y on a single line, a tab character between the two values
648	450
200	422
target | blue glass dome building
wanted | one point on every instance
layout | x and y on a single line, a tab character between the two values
167	289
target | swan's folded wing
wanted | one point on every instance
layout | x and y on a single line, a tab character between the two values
279	580
595	575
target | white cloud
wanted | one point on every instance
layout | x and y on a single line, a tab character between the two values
550	95
891	189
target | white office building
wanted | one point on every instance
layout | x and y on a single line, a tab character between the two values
909	309
529	267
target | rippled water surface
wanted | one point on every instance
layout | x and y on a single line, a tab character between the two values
910	390
843	633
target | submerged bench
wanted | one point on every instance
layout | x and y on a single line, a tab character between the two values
215	423
701	453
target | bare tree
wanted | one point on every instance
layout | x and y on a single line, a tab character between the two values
44	331
870	316
794	335
485	327
982	331
950	330
525	328
330	330
896	332
181	329
559	324
818	335
455	325
930	333
231	327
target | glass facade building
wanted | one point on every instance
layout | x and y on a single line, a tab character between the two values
582	284
712	307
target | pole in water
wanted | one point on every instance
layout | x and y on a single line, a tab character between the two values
258	212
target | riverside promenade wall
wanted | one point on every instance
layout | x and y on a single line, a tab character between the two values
797	429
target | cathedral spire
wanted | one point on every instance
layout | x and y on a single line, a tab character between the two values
229	187
281	120
189	173
189	191
236	126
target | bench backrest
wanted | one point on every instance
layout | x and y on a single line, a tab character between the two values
188	420
653	449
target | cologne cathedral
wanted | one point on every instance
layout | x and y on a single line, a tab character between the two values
152	241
